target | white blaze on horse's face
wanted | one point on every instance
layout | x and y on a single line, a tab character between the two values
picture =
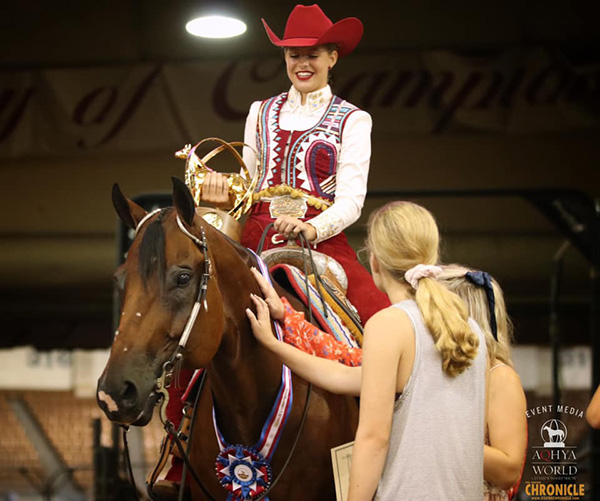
111	405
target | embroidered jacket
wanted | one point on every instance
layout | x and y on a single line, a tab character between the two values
321	148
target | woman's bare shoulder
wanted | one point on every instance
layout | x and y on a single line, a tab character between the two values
504	380
389	321
502	373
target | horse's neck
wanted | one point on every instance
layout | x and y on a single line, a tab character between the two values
244	390
245	377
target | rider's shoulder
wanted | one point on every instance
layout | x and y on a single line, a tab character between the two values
254	107
257	105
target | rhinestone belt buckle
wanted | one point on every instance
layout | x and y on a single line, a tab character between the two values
288	206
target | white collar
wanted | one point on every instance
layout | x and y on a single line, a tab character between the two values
314	100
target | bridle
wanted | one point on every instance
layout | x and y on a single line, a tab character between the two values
164	380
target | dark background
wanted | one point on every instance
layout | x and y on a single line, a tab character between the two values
57	233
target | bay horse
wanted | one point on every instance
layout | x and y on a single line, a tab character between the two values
162	276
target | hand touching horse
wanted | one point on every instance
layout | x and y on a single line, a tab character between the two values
163	274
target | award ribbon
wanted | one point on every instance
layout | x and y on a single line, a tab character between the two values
244	471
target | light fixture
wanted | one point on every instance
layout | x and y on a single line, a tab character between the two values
218	20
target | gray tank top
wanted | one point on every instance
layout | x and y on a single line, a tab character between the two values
436	443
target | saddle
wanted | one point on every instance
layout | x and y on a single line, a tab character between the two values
330	309
287	266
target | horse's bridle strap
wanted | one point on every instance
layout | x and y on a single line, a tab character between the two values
195	239
190	323
144	219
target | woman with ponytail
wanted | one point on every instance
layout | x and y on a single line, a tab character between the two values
506	428
421	427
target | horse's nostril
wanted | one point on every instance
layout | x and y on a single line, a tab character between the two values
129	394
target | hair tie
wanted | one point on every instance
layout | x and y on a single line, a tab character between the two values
483	279
420	271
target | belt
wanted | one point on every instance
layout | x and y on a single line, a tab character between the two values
285	206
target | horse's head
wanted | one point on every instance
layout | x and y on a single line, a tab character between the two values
160	279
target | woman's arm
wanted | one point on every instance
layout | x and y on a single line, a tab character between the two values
327	374
592	413
249	153
351	178
507	428
382	352
350	190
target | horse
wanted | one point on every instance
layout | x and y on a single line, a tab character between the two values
552	433
172	251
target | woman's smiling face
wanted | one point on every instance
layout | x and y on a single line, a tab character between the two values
308	67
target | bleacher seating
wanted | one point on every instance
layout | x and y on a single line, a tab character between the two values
67	423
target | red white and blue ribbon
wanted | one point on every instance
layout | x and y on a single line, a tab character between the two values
264	271
245	471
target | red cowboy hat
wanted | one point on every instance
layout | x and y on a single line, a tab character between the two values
308	26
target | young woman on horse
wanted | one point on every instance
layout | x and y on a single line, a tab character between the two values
423	375
506	431
314	148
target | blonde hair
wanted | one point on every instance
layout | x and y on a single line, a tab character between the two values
454	277
402	235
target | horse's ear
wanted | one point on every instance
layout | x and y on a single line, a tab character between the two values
129	212
183	201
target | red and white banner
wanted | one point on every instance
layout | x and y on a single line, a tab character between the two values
146	107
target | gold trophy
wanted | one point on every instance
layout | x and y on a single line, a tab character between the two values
241	185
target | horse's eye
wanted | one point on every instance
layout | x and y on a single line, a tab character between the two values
184	279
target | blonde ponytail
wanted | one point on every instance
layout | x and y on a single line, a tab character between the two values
446	317
402	235
454	278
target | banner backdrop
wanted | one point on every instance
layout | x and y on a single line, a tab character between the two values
146	107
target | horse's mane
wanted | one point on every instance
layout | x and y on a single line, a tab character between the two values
152	250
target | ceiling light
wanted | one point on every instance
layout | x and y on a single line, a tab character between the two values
216	27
